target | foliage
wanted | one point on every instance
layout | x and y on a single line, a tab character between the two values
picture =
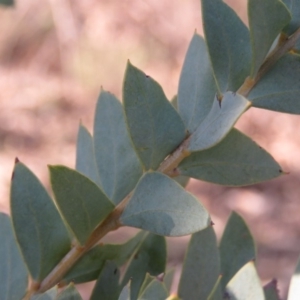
133	170
7	2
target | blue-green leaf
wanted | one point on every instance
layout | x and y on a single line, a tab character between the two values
197	86
69	293
49	295
148	279
219	121
279	89
118	165
107	285
155	126
216	292
174	102
201	265
294	290
85	156
235	161
125	294
39	229
182	180
155	290
80	201
150	258
13	272
162	206
228	43
236	248
297	46
245	285
266	19
90	265
294	8
7	2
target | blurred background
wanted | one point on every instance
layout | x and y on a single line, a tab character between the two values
54	57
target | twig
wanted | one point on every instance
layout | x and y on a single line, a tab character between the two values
109	224
282	49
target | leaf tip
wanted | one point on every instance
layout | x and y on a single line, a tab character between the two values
17	161
272	283
283	172
51	168
129	67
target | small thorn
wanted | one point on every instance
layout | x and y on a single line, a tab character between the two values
219	99
272	283
212	223
160	277
62	284
17	160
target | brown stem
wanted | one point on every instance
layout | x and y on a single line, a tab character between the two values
173	160
283	48
61	269
109	224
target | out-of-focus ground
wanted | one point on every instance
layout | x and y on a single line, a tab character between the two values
55	55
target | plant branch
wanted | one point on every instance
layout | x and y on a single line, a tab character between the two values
168	167
283	47
109	224
173	160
